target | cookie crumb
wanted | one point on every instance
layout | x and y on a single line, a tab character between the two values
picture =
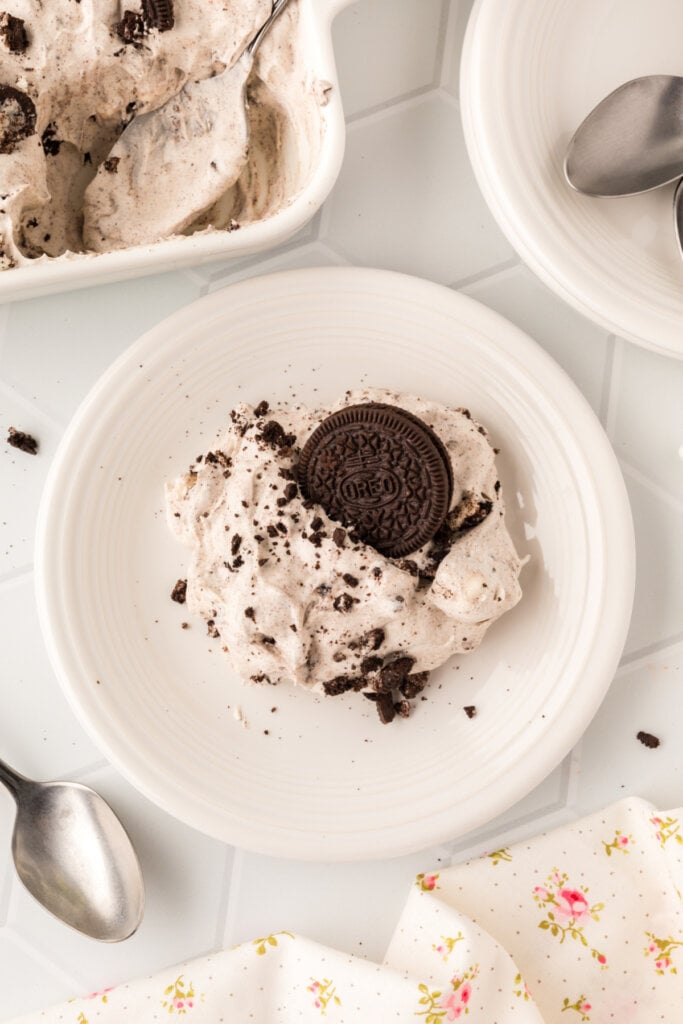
470	710
179	592
24	442
648	740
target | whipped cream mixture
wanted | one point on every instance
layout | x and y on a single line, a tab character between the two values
295	598
74	74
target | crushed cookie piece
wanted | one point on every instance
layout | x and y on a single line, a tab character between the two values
413	685
235	544
648	740
470	710
369	666
250	613
344	602
350	580
393	674
385	708
261	409
22	441
179	592
111	164
13	33
402	708
340	684
339	536
212	629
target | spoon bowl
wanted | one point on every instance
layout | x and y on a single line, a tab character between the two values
74	856
632	142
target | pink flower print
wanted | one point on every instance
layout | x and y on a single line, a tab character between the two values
623	840
101	994
465	993
429	882
651	948
573	904
541	892
586	1007
453	1006
656	821
601	959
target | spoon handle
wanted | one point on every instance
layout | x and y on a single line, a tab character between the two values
278	6
11	779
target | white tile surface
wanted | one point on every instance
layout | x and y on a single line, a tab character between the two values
406	199
380	56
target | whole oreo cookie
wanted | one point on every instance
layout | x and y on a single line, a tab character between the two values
382	471
17	118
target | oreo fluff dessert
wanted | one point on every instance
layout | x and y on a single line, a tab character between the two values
347	549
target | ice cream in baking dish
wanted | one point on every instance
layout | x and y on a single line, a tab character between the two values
74	74
301	595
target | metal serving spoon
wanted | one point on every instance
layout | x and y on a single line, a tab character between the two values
678	216
73	854
632	141
189	152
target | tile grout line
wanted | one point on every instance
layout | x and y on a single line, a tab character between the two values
447	22
613	387
232	888
224	898
650	485
607	375
638	659
484	275
18	575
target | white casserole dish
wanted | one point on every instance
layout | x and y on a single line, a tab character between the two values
74	270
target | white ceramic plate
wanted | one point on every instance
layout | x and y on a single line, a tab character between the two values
328	780
530	74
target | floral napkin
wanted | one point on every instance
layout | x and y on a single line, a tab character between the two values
583	924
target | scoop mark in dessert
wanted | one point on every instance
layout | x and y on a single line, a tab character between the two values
17	118
22	441
381	470
13	33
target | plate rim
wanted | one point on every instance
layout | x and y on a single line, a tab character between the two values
618	539
539	261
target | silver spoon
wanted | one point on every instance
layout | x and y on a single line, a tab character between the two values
73	854
175	162
678	216
632	141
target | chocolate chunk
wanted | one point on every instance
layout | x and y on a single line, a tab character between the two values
381	470
261	409
13	33
340	684
369	666
470	710
17	118
414	685
393	674
344	602
111	164
179	592
158	14
273	434
51	144
339	536
385	708
648	740
24	442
